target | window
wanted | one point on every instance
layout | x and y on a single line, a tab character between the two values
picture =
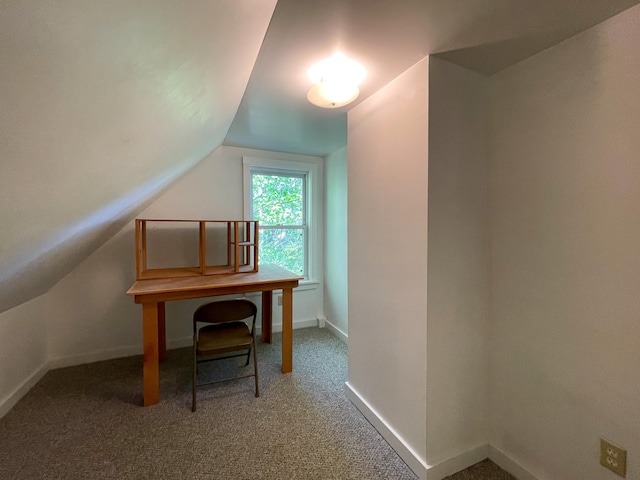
285	198
278	202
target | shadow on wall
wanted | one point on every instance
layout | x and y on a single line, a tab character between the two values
32	271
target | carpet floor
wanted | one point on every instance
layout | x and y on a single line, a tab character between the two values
85	422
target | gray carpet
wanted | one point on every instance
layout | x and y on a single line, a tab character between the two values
485	470
86	422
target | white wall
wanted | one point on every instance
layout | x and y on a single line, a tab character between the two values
91	316
335	244
565	337
87	316
458	271
23	350
387	235
214	190
104	104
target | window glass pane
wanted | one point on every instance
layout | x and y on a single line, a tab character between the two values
278	200
283	247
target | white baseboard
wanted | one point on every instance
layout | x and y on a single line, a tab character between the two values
8	402
137	349
188	341
11	399
180	343
92	357
514	468
277	327
324	323
410	457
457	463
443	469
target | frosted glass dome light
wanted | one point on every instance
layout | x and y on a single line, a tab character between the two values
336	81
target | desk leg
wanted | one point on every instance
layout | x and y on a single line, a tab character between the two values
150	369
287	330
162	333
267	300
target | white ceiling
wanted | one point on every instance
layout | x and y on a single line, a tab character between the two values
104	103
388	37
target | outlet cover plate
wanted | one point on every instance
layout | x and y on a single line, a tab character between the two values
613	457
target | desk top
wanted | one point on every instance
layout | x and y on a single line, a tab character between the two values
269	277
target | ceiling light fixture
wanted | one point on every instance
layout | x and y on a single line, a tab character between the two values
336	81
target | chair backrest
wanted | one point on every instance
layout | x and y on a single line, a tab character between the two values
225	311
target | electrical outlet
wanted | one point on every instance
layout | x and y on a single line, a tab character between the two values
279	299
613	457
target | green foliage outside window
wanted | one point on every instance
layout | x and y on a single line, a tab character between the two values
278	204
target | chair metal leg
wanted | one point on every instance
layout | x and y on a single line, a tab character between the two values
255	367
195	378
248	355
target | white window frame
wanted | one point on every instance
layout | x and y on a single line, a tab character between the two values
312	169
305	207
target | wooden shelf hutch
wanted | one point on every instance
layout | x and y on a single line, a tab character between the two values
241	248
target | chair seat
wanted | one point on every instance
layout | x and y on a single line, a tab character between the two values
226	331
223	337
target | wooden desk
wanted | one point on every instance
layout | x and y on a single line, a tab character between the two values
153	293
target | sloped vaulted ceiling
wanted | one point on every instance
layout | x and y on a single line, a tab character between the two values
102	104
105	102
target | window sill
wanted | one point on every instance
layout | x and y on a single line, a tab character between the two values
306	285
303	285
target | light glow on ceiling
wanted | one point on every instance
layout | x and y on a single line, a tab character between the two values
336	81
